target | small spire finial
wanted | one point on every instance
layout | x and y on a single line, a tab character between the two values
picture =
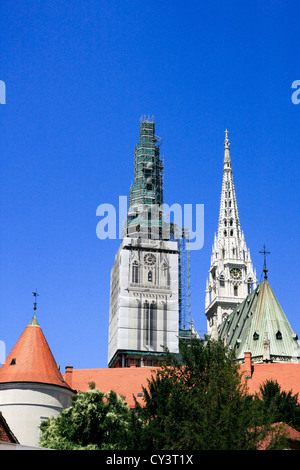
264	252
227	162
226	143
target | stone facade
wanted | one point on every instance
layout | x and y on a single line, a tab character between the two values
143	315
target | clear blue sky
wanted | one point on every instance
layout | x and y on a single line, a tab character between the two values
78	77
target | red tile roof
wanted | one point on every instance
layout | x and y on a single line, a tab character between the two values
6	434
128	381
287	374
31	360
291	434
125	381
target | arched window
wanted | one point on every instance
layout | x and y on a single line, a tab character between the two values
146	321
149	322
152	322
150	276
235	291
135	272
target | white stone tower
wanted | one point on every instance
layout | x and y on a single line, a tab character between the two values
231	275
143	317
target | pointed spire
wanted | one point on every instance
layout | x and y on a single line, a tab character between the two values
229	224
230	254
146	194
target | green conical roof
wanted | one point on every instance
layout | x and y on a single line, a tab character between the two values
259	325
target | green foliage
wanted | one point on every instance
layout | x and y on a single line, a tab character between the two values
95	421
198	402
283	406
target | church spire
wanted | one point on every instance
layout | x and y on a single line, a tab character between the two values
146	194
229	222
231	274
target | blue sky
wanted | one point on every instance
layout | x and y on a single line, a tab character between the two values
78	77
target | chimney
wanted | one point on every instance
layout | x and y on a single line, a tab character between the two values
68	375
248	365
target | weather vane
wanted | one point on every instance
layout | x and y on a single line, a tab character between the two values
264	252
35	294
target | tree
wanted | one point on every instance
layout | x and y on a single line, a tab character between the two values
283	406
96	420
199	402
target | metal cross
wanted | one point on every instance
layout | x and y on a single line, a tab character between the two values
264	252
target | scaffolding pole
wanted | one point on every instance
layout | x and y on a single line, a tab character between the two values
181	236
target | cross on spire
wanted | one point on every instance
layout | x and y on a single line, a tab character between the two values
264	252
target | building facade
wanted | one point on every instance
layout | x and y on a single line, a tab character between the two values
231	274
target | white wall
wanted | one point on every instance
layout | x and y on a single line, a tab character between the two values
25	405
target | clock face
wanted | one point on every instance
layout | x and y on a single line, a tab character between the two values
236	273
149	259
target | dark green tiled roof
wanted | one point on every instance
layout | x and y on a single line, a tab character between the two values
260	317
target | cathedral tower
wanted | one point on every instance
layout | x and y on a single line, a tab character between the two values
143	317
231	274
